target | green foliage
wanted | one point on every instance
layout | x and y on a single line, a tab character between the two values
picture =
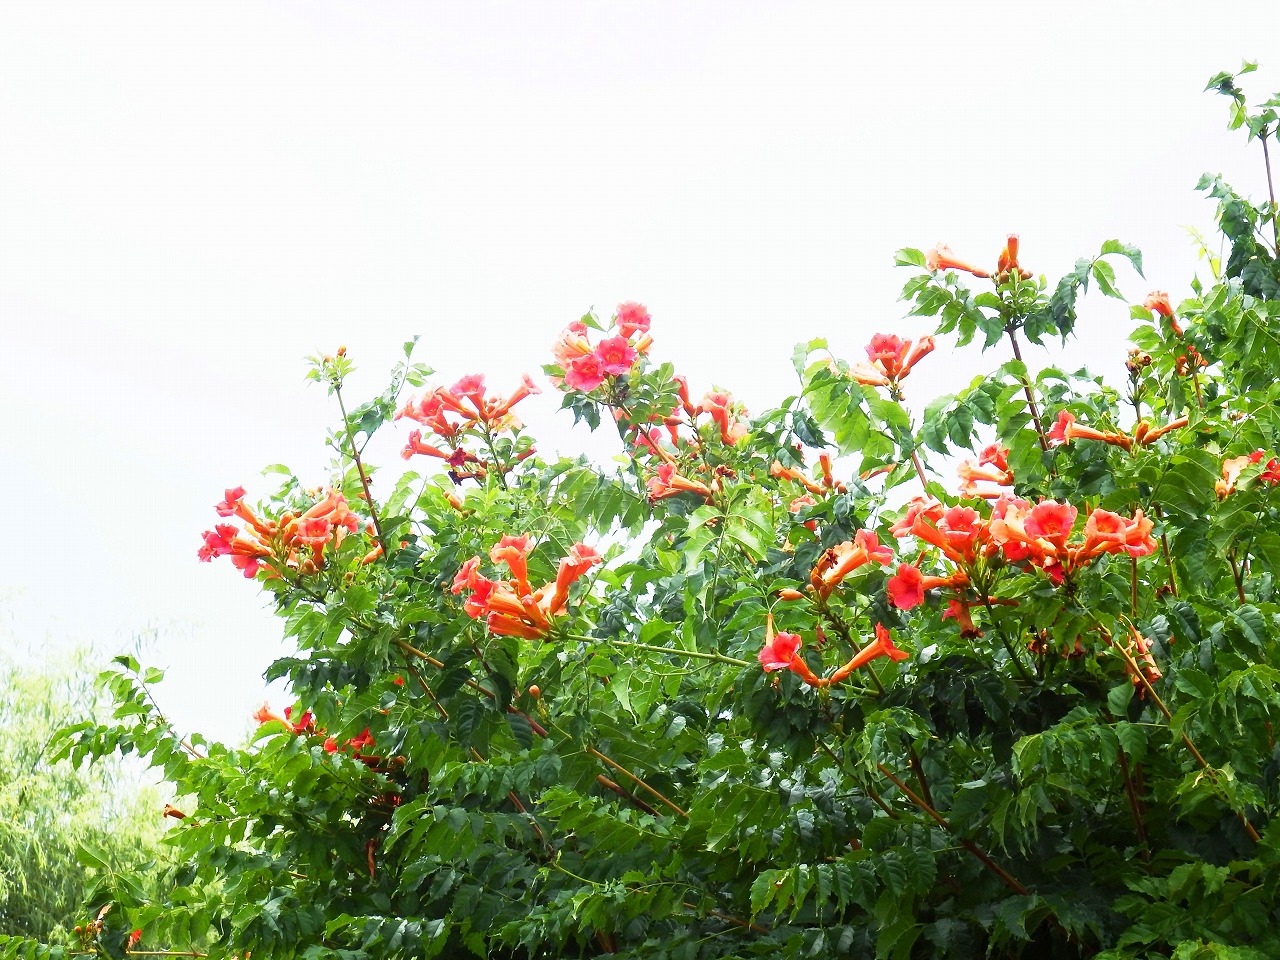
1028	714
67	838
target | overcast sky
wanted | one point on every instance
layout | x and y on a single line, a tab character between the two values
193	197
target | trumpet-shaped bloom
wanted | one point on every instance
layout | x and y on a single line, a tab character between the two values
514	552
1052	521
995	455
1058	432
632	318
841	560
266	714
906	587
1158	303
230	501
941	258
780	652
881	646
667	483
585	373
581	558
616	355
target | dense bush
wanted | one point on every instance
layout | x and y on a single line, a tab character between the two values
822	681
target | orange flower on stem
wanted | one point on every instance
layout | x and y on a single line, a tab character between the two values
782	652
941	258
839	561
881	646
1158	303
1007	263
667	483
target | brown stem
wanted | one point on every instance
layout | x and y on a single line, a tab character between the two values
605	781
915	462
918	769
364	477
631	776
1271	192
1168	556
973	848
541	731
1135	671
1135	803
1237	577
1026	389
728	919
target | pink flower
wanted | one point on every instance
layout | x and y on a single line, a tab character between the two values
780	652
584	373
996	455
217	542
1058	432
247	565
466	577
616	355
571	344
514	552
471	386
1052	521
581	558
906	587
231	500
632	318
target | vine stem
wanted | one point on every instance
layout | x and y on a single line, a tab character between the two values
1008	646
1271	192
1237	576
364	476
1136	672
541	731
1168	556
691	654
1026	389
1004	875
1135	803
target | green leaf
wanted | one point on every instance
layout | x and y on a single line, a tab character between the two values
1126	250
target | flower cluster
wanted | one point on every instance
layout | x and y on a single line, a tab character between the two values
456	413
1233	467
890	359
305	726
1034	536
667	446
1066	428
512	607
781	651
1007	268
298	542
584	367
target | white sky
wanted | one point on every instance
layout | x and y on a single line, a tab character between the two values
195	196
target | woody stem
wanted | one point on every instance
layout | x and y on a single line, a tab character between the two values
969	845
1271	192
1136	672
364	476
1008	646
1026	389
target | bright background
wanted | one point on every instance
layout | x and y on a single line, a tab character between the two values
193	197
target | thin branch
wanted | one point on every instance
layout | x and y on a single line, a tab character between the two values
969	845
364	477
